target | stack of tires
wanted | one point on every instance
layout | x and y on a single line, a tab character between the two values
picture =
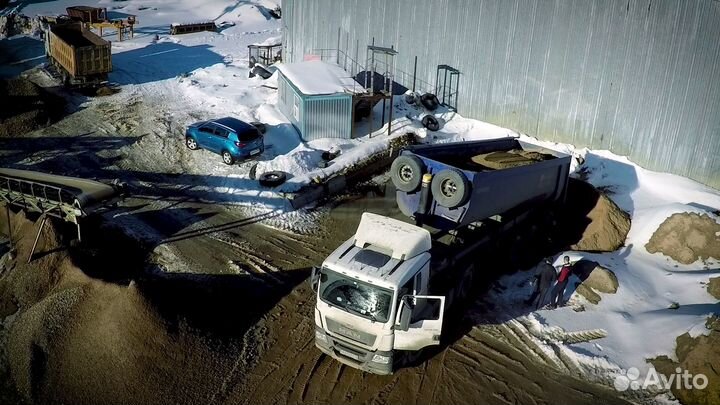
449	187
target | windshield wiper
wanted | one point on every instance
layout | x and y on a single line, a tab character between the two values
369	315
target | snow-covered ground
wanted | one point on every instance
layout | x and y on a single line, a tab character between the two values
198	76
638	318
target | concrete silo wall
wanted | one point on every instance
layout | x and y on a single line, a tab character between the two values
638	77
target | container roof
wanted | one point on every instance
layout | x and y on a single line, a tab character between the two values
317	77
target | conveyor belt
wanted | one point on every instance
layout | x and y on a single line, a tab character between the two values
65	197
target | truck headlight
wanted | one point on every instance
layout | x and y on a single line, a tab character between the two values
320	335
381	359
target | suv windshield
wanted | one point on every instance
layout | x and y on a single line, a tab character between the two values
355	296
247	136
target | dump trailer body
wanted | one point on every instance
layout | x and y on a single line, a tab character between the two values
83	57
491	192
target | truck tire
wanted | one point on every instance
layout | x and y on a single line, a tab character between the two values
411	98
431	123
406	173
430	101
272	178
450	188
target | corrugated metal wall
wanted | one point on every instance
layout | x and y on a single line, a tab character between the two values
638	77
327	117
315	117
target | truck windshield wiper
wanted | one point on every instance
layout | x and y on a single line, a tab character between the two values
368	315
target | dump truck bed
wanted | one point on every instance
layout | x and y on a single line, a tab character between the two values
503	174
79	52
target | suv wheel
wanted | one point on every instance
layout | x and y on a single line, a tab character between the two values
227	158
191	143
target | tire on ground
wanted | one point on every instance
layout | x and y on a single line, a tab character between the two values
431	123
430	101
450	188
411	98
272	179
406	173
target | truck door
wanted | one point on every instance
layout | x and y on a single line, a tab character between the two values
418	321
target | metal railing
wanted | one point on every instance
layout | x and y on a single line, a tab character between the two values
350	65
39	197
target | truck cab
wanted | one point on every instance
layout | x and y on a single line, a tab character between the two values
372	296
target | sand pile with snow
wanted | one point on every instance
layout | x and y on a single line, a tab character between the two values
697	355
714	287
687	237
591	221
26	107
74	338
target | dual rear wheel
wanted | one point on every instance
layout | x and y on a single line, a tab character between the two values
450	187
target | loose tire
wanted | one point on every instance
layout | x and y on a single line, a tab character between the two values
430	101
431	123
406	173
411	98
450	188
272	178
191	143
227	158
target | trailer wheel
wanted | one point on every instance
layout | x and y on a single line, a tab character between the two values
430	101
406	173
431	123
450	188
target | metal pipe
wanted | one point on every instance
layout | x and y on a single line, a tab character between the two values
7	212
37	238
414	74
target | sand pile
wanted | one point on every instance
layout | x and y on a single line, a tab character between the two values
78	339
595	279
591	221
714	287
26	107
698	355
508	159
687	237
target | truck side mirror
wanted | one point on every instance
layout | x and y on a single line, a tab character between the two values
405	311
314	278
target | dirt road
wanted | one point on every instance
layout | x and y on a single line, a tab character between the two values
486	363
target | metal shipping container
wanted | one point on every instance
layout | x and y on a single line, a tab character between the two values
316	116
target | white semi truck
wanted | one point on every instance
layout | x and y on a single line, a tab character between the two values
387	289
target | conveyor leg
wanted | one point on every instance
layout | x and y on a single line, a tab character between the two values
10	236
37	238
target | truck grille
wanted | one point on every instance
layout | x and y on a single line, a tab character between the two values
356	335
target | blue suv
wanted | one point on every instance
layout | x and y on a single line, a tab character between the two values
229	137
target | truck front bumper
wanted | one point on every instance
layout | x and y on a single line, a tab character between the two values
376	362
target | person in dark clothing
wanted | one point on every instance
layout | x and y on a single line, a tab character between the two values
544	278
556	298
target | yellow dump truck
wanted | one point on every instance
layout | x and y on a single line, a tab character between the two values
82	57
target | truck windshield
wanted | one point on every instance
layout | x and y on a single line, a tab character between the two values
369	301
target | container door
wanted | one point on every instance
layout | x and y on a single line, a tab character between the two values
418	322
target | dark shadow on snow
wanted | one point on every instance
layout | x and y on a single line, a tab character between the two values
19	54
160	61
